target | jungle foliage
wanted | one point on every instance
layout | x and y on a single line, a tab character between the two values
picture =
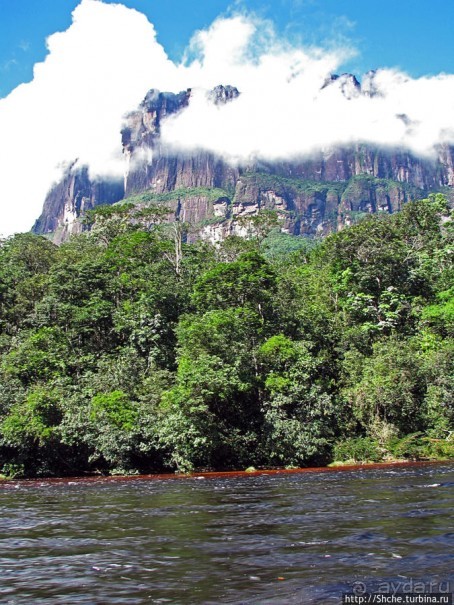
127	350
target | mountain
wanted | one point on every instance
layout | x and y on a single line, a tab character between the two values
312	195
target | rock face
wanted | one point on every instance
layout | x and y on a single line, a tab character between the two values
312	196
70	198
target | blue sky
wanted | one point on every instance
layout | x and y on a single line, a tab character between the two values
413	35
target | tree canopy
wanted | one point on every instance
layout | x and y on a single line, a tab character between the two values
127	350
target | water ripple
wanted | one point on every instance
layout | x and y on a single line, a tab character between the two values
262	540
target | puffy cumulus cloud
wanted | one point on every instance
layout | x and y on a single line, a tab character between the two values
286	110
274	115
94	71
104	63
246	50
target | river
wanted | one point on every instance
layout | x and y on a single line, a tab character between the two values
275	539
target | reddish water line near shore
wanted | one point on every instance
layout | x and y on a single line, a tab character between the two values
5	483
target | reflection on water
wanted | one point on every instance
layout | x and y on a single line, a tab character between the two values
279	539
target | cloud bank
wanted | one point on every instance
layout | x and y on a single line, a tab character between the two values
94	71
102	66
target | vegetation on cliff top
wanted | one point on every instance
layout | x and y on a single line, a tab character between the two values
150	197
125	350
347	188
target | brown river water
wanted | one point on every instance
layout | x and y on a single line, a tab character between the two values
262	538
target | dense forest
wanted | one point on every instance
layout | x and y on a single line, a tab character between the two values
127	350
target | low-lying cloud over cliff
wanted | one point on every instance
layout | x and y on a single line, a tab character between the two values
103	65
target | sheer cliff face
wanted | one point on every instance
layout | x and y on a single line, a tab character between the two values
313	195
70	198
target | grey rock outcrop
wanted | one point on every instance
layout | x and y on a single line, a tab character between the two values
70	198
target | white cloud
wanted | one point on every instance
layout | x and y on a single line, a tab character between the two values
285	111
95	71
102	66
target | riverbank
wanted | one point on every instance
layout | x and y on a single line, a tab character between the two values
4	482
